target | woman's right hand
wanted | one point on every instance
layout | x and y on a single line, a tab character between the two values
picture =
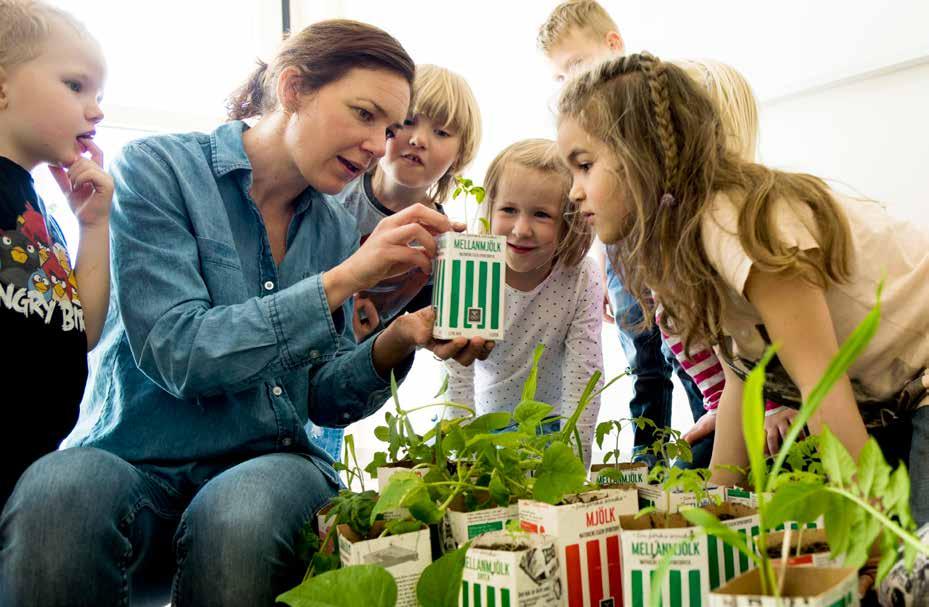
389	251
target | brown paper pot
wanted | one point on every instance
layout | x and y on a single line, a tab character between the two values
803	587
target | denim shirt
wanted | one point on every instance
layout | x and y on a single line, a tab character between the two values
211	351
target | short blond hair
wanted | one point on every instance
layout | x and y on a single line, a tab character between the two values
734	99
24	27
586	16
575	236
445	98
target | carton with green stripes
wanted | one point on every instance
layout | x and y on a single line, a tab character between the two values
469	277
510	570
587	531
626	473
459	525
654	495
404	556
803	587
738	495
807	549
699	562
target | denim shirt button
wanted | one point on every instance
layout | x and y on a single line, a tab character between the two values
276	391
314	354
269	285
347	415
287	442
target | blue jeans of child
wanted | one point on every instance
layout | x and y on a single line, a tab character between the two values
84	527
907	441
651	364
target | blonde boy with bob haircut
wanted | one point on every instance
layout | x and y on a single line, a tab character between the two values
577	33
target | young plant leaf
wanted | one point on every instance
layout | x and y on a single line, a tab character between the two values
529	387
560	473
753	419
440	583
400	485
368	585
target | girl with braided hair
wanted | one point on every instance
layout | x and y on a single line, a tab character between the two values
740	256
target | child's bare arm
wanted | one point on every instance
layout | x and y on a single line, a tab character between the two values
797	317
89	190
728	444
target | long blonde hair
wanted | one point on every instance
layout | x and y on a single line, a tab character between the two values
673	159
574	236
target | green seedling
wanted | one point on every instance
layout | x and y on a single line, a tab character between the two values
467	187
616	425
865	503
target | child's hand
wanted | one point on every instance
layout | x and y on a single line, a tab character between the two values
702	428
88	188
364	318
776	427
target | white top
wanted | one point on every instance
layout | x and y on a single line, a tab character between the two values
882	248
564	314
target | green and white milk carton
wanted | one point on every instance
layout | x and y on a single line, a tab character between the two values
654	495
460	526
510	570
469	286
803	587
404	556
587	530
626	473
738	495
699	562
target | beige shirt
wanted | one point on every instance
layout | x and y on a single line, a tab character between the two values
883	248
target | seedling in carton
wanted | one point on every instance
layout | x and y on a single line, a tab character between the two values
466	186
863	502
603	429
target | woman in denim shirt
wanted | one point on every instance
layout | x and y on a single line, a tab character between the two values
232	278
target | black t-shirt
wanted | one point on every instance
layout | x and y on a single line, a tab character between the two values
44	364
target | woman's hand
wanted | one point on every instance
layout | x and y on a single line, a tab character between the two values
702	428
776	427
412	331
389	251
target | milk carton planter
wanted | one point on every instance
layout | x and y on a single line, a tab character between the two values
744	497
470	278
803	587
699	562
511	570
404	556
814	549
629	473
587	529
665	501
385	472
460	526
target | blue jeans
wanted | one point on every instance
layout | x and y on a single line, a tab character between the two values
651	365
907	441
84	527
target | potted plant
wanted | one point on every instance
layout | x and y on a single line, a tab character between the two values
619	473
865	504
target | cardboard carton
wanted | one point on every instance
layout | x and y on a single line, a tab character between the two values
810	537
404	556
460	526
803	587
469	278
699	562
524	576
587	533
654	495
631	473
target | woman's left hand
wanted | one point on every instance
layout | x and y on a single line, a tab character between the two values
412	331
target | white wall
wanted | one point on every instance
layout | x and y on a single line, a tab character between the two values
871	134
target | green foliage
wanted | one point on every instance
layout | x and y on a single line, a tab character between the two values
561	473
440	583
863	502
467	187
605	428
368	585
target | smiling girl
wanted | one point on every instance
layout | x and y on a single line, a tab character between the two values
553	291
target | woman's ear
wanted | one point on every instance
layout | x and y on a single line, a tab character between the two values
289	89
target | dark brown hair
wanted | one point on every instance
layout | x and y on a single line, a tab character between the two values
323	52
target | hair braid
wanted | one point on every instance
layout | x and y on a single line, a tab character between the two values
657	78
